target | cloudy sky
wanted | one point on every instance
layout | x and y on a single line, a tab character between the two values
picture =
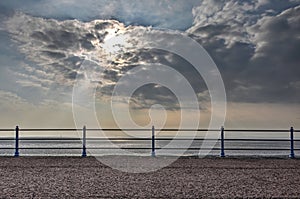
44	44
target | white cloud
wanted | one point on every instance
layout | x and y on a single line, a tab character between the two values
173	14
57	50
232	17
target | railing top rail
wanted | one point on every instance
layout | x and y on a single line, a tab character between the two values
146	129
143	139
258	130
20	129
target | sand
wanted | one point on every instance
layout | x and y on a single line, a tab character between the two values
72	177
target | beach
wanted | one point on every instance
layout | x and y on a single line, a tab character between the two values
76	177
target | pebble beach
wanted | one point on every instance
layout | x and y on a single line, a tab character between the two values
76	177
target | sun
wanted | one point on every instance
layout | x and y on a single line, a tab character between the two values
115	41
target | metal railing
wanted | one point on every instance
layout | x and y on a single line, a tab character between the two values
153	139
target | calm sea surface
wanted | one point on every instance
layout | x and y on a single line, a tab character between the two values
272	148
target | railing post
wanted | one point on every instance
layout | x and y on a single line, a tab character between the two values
292	154
222	154
83	142
17	142
153	142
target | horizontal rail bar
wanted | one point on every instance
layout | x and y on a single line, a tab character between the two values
238	149
11	130
50	130
116	129
31	148
188	129
147	139
148	148
217	139
50	148
250	139
92	148
41	139
257	130
257	149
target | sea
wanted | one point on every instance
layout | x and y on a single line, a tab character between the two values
248	144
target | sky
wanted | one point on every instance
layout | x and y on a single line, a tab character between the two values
45	44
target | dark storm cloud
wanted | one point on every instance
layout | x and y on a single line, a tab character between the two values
277	55
173	60
54	55
151	94
73	61
262	65
154	94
